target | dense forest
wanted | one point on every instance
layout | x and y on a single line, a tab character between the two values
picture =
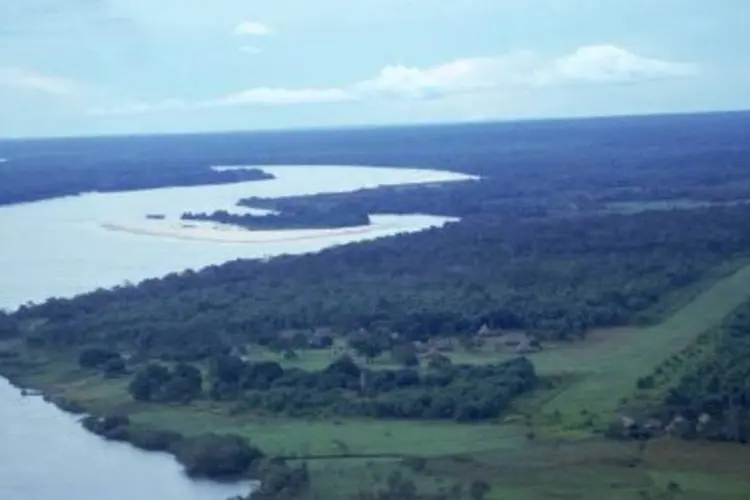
609	159
712	400
287	219
33	179
556	277
536	249
443	391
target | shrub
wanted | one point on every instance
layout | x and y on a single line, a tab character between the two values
216	456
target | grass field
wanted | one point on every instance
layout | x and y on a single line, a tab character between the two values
305	438
556	462
609	365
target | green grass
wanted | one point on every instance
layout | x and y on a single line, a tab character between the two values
563	462
610	367
580	469
280	436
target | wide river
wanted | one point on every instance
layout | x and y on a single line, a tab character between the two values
67	246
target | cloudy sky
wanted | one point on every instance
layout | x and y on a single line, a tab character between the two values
72	67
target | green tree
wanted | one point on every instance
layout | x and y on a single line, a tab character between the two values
479	490
405	354
216	456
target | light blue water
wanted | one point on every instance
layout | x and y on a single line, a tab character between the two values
60	248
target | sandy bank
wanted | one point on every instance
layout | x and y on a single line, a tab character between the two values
235	235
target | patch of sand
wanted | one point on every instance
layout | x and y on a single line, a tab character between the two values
229	234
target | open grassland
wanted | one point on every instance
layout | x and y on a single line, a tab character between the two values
347	437
609	366
556	469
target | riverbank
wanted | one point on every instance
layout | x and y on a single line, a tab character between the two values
229	234
47	453
346	456
224	458
349	455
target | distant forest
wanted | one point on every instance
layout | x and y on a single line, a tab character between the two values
35	178
540	246
557	277
287	219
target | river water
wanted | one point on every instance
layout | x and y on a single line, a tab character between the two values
67	246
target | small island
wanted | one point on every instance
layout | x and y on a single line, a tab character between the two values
309	219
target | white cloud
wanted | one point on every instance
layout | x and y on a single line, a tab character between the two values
279	96
252	28
525	70
596	64
261	96
611	64
251	49
139	108
463	75
24	79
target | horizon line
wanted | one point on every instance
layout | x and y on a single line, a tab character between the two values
365	126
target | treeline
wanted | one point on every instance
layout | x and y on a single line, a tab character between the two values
34	179
555	277
213	456
574	161
536	168
462	393
453	199
288	219
713	399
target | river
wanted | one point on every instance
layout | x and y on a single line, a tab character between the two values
67	246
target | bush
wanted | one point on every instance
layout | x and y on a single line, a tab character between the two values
119	428
96	358
646	382
216	456
280	481
479	490
156	383
115	367
417	464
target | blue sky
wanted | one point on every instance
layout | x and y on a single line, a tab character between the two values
72	67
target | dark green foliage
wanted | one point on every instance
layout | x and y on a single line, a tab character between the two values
8	327
555	277
216	456
405	354
463	393
31	178
153	383
97	358
479	490
438	361
288	219
367	345
114	368
280	481
646	382
209	455
343	367
416	464
714	397
538	248
119	428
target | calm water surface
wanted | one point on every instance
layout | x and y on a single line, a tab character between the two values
62	248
